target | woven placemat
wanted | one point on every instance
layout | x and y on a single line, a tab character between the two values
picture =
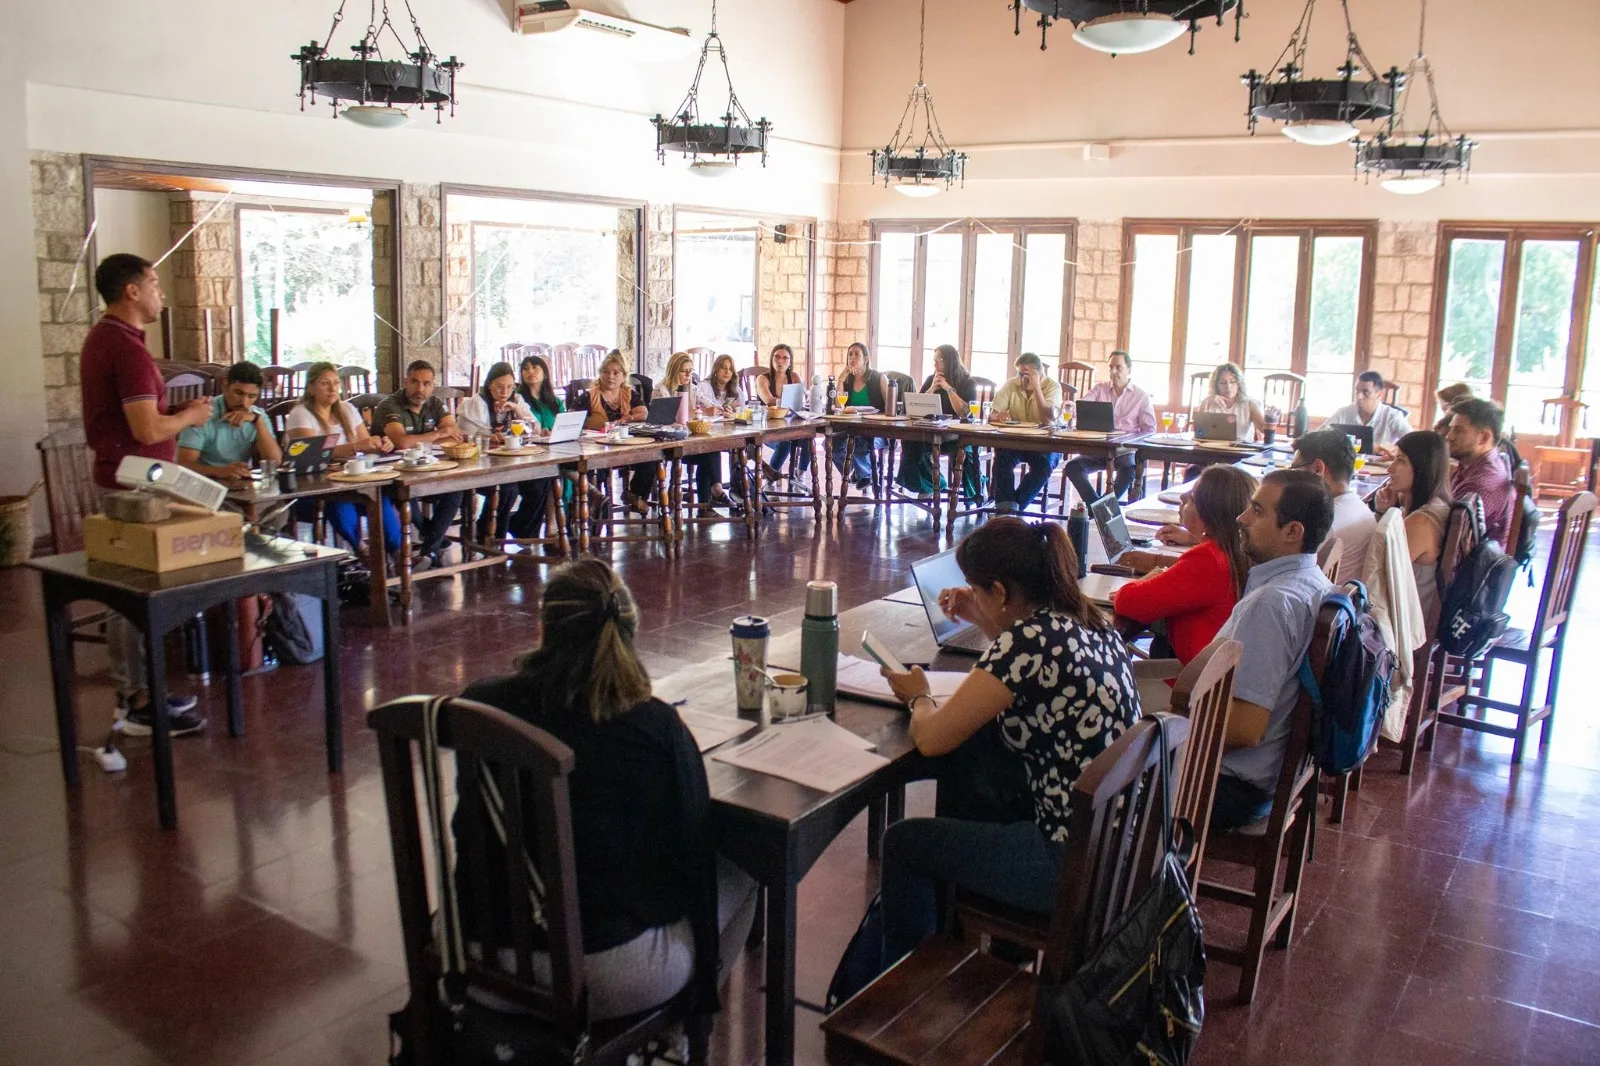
517	453
428	468
360	479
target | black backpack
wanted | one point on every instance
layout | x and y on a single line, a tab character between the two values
294	628
1349	703
1527	534
1472	609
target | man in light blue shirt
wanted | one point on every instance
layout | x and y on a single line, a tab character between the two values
1285	522
236	432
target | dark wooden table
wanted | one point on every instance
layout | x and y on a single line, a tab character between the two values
862	429
159	603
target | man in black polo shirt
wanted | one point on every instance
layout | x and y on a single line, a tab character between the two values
415	416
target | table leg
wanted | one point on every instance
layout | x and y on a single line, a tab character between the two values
876	811
235	688
844	477
332	702
58	630
755	485
816	486
933	502
664	493
377	561
781	917
675	496
402	504
155	661
583	507
957	463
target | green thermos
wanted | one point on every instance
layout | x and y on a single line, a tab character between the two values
819	646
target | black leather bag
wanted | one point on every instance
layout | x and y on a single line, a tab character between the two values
1139	999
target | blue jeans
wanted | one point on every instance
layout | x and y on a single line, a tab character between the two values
1014	864
1079	470
344	516
783	449
1238	803
1039	465
860	461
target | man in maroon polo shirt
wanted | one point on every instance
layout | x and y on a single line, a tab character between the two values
124	414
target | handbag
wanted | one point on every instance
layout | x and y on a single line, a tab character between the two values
462	1031
1140	996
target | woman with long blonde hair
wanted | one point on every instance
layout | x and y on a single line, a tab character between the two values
1228	396
322	413
612	402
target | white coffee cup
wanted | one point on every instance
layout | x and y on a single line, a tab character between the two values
512	443
786	695
416	455
357	466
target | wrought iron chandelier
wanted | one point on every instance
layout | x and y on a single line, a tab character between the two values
1126	27
1412	163
916	165
1322	111
376	91
713	148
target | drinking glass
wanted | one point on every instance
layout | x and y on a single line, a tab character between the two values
1181	421
974	408
844	399
1166	421
1361	461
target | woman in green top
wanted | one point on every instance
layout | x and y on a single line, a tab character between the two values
866	388
538	391
956	390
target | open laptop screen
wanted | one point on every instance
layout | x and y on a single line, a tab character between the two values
933	575
1112	526
568	426
793	396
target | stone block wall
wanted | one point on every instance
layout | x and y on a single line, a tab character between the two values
628	288
205	273
1402	310
1096	290
658	290
458	285
782	287
385	338
844	258
67	302
422	278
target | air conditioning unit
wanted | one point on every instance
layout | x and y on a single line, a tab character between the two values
650	43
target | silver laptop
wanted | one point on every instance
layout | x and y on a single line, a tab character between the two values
1113	528
923	405
1215	425
933	575
793	396
568	427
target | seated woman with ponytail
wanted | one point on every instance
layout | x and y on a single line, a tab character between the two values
658	907
1058	680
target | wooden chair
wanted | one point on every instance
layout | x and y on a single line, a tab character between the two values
577	391
1525	647
1282	390
1199	389
451	396
186	386
704	359
950	1002
564	364
1329	556
68	467
278	414
532	771
747	382
354	380
366	403
1075	379
1288	836
278	383
984	390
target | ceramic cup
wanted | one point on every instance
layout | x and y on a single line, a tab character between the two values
786	695
357	466
414	455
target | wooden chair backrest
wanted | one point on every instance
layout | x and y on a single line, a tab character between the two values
1076	379
564	364
1297	760
279	383
1566	558
903	383
1199	389
1282	390
1113	842
1203	693
186	386
354	380
68	486
588	358
450	395
531	769
367	403
704	359
278	414
1522	479
983	389
1460	537
578	393
747	381
1329	556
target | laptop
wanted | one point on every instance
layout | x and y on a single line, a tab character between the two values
1216	425
1113	528
667	411
933	575
1362	433
568	427
923	405
793	396
1097	416
306	454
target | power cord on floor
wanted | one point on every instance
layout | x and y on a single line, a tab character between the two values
110	759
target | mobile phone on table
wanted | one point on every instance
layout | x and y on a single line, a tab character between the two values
880	652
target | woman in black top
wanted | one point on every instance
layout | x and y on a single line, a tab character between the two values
1056	678
769	390
655	900
956	390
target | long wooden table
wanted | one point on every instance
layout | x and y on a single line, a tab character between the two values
1103	446
857	429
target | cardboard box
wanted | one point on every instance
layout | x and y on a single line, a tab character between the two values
193	536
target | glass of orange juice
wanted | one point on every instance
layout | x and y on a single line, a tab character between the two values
1166	421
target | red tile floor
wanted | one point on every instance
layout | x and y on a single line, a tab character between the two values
1452	919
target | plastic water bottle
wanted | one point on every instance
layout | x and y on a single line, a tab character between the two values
1078	533
819	647
832	391
1299	419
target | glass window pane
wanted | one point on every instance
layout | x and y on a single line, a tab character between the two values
316	269
1589	425
1543	327
714	292
1269	310
941	308
991	307
1210	329
1155	282
896	274
1335	304
1471	312
1044	279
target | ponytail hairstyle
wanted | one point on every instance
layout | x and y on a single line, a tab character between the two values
586	660
1220	496
313	373
1032	560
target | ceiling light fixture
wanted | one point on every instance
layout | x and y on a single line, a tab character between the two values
723	141
1415	163
1322	111
1128	27
914	166
377	91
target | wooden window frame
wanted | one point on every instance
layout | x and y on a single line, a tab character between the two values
1515	235
1018	229
1307	229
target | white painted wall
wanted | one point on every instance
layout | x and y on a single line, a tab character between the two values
140	223
21	368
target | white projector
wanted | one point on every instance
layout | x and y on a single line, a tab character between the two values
170	480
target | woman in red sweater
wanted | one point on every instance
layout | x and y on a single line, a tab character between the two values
1195	595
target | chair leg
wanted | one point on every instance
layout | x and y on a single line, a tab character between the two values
1530	678
1300	838
1341	791
1551	680
1256	942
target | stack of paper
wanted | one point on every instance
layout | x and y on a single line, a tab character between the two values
709	730
861	678
810	753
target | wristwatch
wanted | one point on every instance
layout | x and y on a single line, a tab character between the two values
911	704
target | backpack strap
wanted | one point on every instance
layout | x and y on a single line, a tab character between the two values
454	950
1308	676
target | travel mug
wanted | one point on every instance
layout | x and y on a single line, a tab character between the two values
750	634
819	646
